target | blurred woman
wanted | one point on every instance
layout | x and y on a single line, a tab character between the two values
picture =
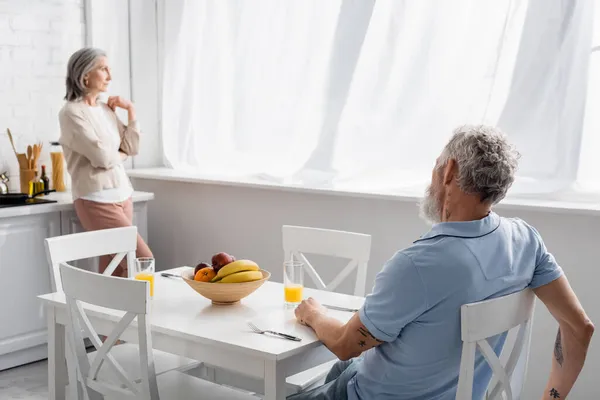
95	144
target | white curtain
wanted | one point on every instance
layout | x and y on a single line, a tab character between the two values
425	68
363	94
243	88
589	162
545	109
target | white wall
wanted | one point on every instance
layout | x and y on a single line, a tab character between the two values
36	39
189	222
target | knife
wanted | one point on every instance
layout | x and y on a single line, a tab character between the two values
168	275
338	308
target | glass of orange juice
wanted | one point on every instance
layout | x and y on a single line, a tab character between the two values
293	282
144	271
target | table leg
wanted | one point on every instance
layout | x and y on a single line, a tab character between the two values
57	366
275	385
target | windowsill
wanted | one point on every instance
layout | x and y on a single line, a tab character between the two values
569	204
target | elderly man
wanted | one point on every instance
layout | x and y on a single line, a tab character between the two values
405	341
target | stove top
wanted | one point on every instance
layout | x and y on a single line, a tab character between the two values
29	202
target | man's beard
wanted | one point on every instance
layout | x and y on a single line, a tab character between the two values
430	208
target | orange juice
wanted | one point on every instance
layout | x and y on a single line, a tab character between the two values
293	294
147	276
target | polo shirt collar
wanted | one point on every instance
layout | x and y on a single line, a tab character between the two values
466	229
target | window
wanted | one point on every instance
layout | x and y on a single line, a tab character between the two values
364	95
589	164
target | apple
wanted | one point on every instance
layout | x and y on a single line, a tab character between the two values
200	266
220	260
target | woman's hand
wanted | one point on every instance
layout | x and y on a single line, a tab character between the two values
118	101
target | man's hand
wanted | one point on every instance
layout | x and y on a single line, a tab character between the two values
308	309
346	341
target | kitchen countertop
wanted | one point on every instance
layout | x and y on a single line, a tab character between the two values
64	203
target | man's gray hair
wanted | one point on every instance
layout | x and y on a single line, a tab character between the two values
80	64
486	161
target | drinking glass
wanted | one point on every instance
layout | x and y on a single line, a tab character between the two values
144	271
293	282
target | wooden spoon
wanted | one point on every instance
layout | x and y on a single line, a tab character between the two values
36	155
11	140
29	155
21	157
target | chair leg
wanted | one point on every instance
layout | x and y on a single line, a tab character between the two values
210	373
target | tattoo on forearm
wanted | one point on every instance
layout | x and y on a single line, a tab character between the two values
558	350
362	343
554	394
365	332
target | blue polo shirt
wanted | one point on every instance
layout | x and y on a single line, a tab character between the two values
416	300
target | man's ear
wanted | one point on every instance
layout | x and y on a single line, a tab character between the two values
450	171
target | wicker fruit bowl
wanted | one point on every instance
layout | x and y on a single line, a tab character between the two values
224	293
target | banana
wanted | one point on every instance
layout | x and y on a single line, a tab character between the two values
244	276
236	266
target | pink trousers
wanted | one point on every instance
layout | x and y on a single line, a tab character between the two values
96	216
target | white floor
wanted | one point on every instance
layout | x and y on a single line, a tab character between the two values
26	382
30	382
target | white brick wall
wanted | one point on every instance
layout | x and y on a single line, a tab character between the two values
36	39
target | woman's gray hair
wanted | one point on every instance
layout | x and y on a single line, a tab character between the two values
80	64
486	161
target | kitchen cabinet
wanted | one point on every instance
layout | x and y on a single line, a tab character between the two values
26	273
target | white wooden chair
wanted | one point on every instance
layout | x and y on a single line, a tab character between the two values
119	241
298	240
133	298
356	247
78	246
486	319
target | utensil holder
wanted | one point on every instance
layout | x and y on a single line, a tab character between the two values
26	176
23	162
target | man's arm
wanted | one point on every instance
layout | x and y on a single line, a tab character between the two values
380	319
346	341
572	340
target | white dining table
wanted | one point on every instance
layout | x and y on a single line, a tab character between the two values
185	323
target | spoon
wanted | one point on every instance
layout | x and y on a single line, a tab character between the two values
29	155
36	155
11	140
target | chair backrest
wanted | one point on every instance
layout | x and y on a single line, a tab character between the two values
128	295
298	240
77	246
486	319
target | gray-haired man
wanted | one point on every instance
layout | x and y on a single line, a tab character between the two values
405	342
